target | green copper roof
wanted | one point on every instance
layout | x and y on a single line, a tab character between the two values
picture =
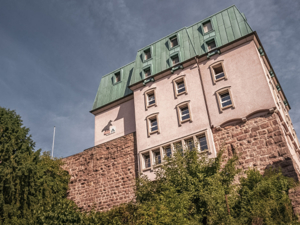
228	25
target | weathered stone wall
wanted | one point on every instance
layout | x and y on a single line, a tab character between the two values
103	176
259	142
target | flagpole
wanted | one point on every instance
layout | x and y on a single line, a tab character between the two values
53	141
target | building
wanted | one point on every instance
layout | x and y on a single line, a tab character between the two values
210	85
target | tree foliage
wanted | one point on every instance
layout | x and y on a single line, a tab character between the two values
189	188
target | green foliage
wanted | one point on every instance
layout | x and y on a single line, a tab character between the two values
189	188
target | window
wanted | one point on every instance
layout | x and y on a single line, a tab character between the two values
202	143
147	54
189	143
146	160
184	112
225	98
179	84
153	124
207	27
173	41
175	59
168	151
217	71
156	157
211	45
178	146
147	72
180	87
150	99
117	77
159	154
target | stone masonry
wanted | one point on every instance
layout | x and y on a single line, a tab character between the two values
103	176
259	142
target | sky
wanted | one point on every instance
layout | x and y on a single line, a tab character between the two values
54	52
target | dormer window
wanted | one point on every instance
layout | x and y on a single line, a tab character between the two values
173	41
207	27
147	54
211	45
117	77
147	72
175	59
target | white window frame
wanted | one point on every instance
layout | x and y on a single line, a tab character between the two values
148	119
179	107
177	80
213	66
224	91
146	94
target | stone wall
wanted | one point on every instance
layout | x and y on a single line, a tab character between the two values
259	142
103	176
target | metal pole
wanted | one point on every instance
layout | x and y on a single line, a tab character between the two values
53	141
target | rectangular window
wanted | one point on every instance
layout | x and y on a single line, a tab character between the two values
156	157
147	162
180	87
173	41
225	99
168	151
178	146
153	125
175	60
185	114
207	27
117	77
211	45
218	72
202	143
151	99
190	144
147	54
147	72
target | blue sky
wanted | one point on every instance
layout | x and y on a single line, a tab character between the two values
54	52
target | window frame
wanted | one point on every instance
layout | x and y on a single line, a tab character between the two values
212	27
164	150
169	41
114	77
146	94
223	91
148	120
205	134
143	162
144	55
209	41
176	81
172	144
214	65
173	56
153	151
182	105
146	68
